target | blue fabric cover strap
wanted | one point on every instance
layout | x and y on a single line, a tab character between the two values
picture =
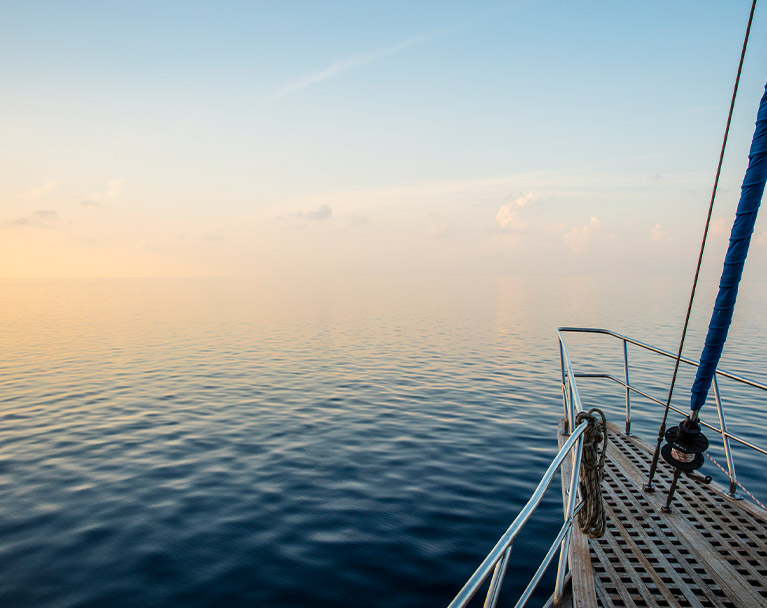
740	238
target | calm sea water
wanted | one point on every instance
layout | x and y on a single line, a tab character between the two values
232	443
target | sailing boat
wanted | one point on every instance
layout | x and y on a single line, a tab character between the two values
650	531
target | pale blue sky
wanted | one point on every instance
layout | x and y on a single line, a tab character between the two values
245	137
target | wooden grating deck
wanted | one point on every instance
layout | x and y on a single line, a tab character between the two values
710	551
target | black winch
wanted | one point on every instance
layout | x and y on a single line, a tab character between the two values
684	449
685	445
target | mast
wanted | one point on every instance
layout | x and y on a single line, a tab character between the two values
740	238
685	443
688	446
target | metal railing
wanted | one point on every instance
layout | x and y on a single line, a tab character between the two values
497	560
568	388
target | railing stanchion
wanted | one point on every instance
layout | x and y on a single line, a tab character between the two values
725	440
574	477
565	402
571	413
501	549
628	390
495	583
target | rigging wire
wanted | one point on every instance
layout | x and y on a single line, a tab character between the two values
662	430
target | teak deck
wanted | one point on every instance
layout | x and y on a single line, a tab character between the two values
709	551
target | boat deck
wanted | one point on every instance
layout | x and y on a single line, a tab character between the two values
709	551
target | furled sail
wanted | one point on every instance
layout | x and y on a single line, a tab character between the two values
740	238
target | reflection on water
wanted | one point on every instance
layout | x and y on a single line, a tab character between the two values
226	442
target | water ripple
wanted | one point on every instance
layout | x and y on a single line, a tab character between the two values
174	444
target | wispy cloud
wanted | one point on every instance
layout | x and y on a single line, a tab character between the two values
114	187
323	212
577	238
357	220
658	233
353	62
437	231
509	217
719	227
113	190
42	218
42	190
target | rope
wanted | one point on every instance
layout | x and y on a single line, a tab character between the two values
662	430
591	518
740	485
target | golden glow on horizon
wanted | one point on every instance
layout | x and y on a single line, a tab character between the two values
444	228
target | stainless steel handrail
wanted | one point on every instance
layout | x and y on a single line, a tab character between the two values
649	397
568	380
608	332
497	560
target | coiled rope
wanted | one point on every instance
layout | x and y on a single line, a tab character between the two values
591	518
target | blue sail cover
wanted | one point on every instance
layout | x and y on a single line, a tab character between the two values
740	238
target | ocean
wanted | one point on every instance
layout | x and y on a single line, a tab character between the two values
232	442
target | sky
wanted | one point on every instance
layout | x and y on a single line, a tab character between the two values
372	139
